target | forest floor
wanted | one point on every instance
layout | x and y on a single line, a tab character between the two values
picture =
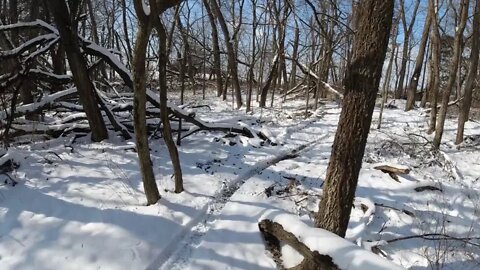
81	205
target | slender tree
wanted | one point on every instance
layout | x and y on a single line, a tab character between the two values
412	87
472	74
457	50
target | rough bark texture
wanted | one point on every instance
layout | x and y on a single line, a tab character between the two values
139	104
86	91
472	73
274	233
373	23
457	48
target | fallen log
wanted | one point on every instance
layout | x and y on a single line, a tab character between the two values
274	233
153	98
393	170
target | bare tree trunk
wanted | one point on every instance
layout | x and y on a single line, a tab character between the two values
472	74
412	88
435	64
216	48
139	104
167	130
386	83
457	50
232	58
125	31
407	32
251	74
293	71
426	90
373	22
68	34
187	54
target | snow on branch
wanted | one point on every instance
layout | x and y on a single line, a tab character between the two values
27	45
45	101
36	23
321	244
312	74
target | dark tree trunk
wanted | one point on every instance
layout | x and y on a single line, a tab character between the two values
373	22
68	34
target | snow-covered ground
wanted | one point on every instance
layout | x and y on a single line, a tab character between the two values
80	205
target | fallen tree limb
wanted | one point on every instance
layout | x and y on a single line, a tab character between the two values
451	103
438	236
309	72
273	233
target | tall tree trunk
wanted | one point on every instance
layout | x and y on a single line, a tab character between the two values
435	64
186	48
139	104
472	74
426	89
216	48
167	130
457	50
407	32
373	22
125	32
68	34
293	71
386	83
251	74
412	88
232	58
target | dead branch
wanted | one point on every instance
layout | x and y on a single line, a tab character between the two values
273	233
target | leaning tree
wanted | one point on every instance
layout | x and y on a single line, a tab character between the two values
373	21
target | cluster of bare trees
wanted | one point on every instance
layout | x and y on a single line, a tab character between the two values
115	53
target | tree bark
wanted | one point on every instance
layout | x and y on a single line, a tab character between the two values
216	48
472	74
139	104
373	23
457	50
232	58
407	31
386	83
68	34
167	130
412	88
435	64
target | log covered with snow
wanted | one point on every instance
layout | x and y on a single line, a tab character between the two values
320	245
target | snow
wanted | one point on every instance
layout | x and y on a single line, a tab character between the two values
146	7
344	253
82	204
45	100
24	46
